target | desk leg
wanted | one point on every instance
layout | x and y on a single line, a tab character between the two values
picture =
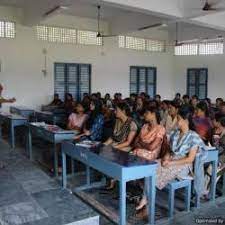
55	160
122	219
213	181
30	144
72	166
12	134
88	176
64	178
151	192
223	188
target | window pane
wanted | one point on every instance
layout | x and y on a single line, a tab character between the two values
151	75
84	79
202	92
88	38
151	90
133	80
211	48
186	49
60	80
72	74
2	29
9	29
192	77
135	43
192	90
202	77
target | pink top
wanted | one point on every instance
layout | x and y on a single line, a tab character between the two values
77	121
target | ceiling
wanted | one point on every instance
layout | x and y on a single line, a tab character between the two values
129	15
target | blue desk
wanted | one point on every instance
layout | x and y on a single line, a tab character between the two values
54	137
13	120
22	111
116	164
50	117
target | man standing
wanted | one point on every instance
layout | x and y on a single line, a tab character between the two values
4	100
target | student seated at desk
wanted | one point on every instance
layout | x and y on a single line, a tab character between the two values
77	119
69	103
202	122
125	129
56	101
148	143
94	126
219	141
178	161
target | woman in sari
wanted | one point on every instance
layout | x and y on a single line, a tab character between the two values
125	129
148	143
177	163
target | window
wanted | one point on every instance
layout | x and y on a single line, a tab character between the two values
141	44
143	79
88	38
211	48
56	34
200	47
72	78
7	29
68	36
197	82
186	49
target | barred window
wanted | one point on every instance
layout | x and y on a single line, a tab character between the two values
186	49
56	34
141	44
201	47
211	48
88	38
7	29
135	43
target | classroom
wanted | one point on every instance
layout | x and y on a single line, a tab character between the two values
112	112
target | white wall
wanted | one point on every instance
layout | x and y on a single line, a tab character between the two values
22	62
216	73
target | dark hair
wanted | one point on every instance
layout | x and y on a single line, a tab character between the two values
68	94
167	102
178	94
185	113
175	104
218	116
124	107
95	113
152	109
186	96
159	96
194	96
219	99
222	121
203	107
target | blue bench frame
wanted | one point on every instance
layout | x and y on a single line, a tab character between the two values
115	170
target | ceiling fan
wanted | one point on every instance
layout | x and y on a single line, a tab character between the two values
211	6
99	33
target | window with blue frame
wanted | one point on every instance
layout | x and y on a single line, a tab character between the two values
143	79
72	78
197	82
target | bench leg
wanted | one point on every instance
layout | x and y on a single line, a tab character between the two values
213	181
171	202
64	178
223	190
187	198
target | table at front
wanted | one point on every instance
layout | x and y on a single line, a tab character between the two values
13	120
116	164
54	137
22	111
